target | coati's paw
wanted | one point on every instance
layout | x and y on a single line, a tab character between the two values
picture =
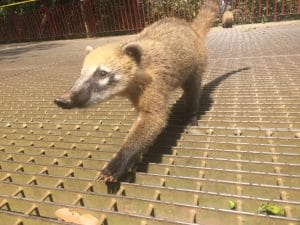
112	171
107	176
117	167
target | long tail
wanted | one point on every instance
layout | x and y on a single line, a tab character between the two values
205	18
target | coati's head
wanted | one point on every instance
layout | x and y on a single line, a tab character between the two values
107	71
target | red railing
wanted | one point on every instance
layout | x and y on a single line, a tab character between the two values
101	17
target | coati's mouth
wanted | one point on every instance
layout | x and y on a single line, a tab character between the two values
73	100
63	103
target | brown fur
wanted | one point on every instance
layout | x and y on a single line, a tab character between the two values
227	19
169	54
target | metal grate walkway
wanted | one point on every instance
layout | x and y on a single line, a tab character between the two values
245	149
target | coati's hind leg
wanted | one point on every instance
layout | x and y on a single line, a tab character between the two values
192	90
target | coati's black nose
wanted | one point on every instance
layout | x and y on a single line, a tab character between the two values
63	103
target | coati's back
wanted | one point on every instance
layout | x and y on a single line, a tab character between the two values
174	43
170	31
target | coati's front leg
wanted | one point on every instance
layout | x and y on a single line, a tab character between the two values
192	90
151	121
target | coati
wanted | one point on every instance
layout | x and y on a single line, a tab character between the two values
227	19
168	54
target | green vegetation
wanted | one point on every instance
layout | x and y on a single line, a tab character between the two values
272	209
22	8
247	11
232	204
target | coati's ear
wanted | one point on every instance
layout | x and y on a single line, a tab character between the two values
134	50
88	49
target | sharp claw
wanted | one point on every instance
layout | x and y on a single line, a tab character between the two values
106	176
111	172
101	177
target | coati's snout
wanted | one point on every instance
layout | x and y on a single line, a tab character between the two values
63	103
73	99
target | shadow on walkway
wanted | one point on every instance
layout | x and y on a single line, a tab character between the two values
19	49
177	122
172	133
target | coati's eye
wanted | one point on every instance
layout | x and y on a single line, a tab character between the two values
101	74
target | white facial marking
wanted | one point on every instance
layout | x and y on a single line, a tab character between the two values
104	94
103	82
88	70
98	97
118	77
86	74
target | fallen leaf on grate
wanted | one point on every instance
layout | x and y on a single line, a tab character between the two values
272	209
74	217
232	205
